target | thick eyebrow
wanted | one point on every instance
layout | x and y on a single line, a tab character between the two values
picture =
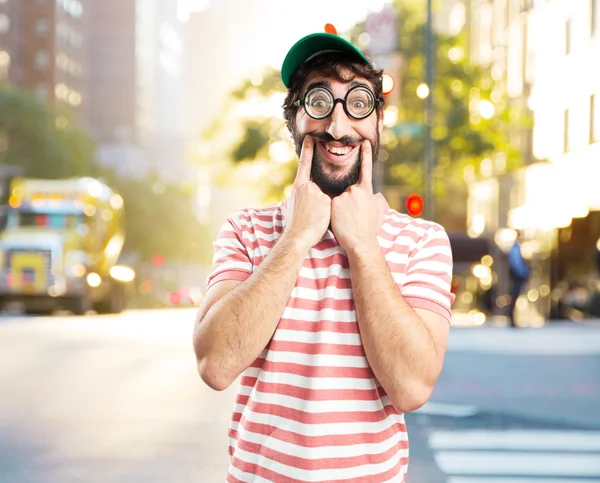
327	84
361	84
322	83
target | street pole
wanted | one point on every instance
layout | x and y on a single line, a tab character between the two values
429	207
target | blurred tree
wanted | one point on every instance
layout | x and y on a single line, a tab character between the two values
160	219
46	143
40	138
471	126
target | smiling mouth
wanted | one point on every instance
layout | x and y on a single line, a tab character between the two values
338	151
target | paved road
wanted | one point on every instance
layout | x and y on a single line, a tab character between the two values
513	406
116	399
107	399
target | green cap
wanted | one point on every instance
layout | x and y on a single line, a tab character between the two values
315	44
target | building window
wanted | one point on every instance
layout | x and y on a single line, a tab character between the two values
593	17
594	120
568	32
566	132
42	28
41	60
4	23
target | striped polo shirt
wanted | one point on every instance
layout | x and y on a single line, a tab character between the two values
309	409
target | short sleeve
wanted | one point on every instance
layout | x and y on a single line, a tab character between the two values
230	257
429	275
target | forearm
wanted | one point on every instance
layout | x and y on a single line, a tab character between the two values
236	329
398	345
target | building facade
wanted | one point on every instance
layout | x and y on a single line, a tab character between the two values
135	56
42	49
542	55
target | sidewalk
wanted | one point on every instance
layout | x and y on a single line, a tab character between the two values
478	320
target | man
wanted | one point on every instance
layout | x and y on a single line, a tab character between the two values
332	307
519	273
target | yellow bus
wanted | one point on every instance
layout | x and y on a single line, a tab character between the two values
60	247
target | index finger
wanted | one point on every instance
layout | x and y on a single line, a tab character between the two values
305	163
366	166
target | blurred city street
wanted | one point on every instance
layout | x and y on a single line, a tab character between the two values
117	398
140	141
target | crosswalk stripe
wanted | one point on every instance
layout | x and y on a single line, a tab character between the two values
485	479
515	463
525	341
517	439
431	408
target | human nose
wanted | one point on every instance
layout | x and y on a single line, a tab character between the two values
338	122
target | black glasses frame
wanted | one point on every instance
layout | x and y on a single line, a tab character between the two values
302	102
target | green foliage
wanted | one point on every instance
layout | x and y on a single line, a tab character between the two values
160	219
41	138
462	137
265	84
256	136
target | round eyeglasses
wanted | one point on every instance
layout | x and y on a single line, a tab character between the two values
319	102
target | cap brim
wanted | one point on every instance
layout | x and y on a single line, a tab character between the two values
312	45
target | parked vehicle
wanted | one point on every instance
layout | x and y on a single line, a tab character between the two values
61	245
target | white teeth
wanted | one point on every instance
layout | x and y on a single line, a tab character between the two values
341	150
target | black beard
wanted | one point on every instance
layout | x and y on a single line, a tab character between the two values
329	184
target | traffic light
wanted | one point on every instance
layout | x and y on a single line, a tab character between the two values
158	260
387	84
414	204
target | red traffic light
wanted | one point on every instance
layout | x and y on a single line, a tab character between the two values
158	260
414	204
387	84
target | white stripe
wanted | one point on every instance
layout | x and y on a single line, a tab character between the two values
435	266
328	314
433	279
487	479
314	406
399	278
398	258
318	475
421	292
322	337
253	237
517	439
325	360
323	429
345	383
321	452
269	224
226	253
320	294
513	463
324	272
441	409
327	252
424	254
247	477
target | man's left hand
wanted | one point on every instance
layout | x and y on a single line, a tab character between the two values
357	214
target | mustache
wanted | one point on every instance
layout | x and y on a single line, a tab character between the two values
345	140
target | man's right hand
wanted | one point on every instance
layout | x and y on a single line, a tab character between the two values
308	209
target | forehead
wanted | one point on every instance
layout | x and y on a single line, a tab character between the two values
334	83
